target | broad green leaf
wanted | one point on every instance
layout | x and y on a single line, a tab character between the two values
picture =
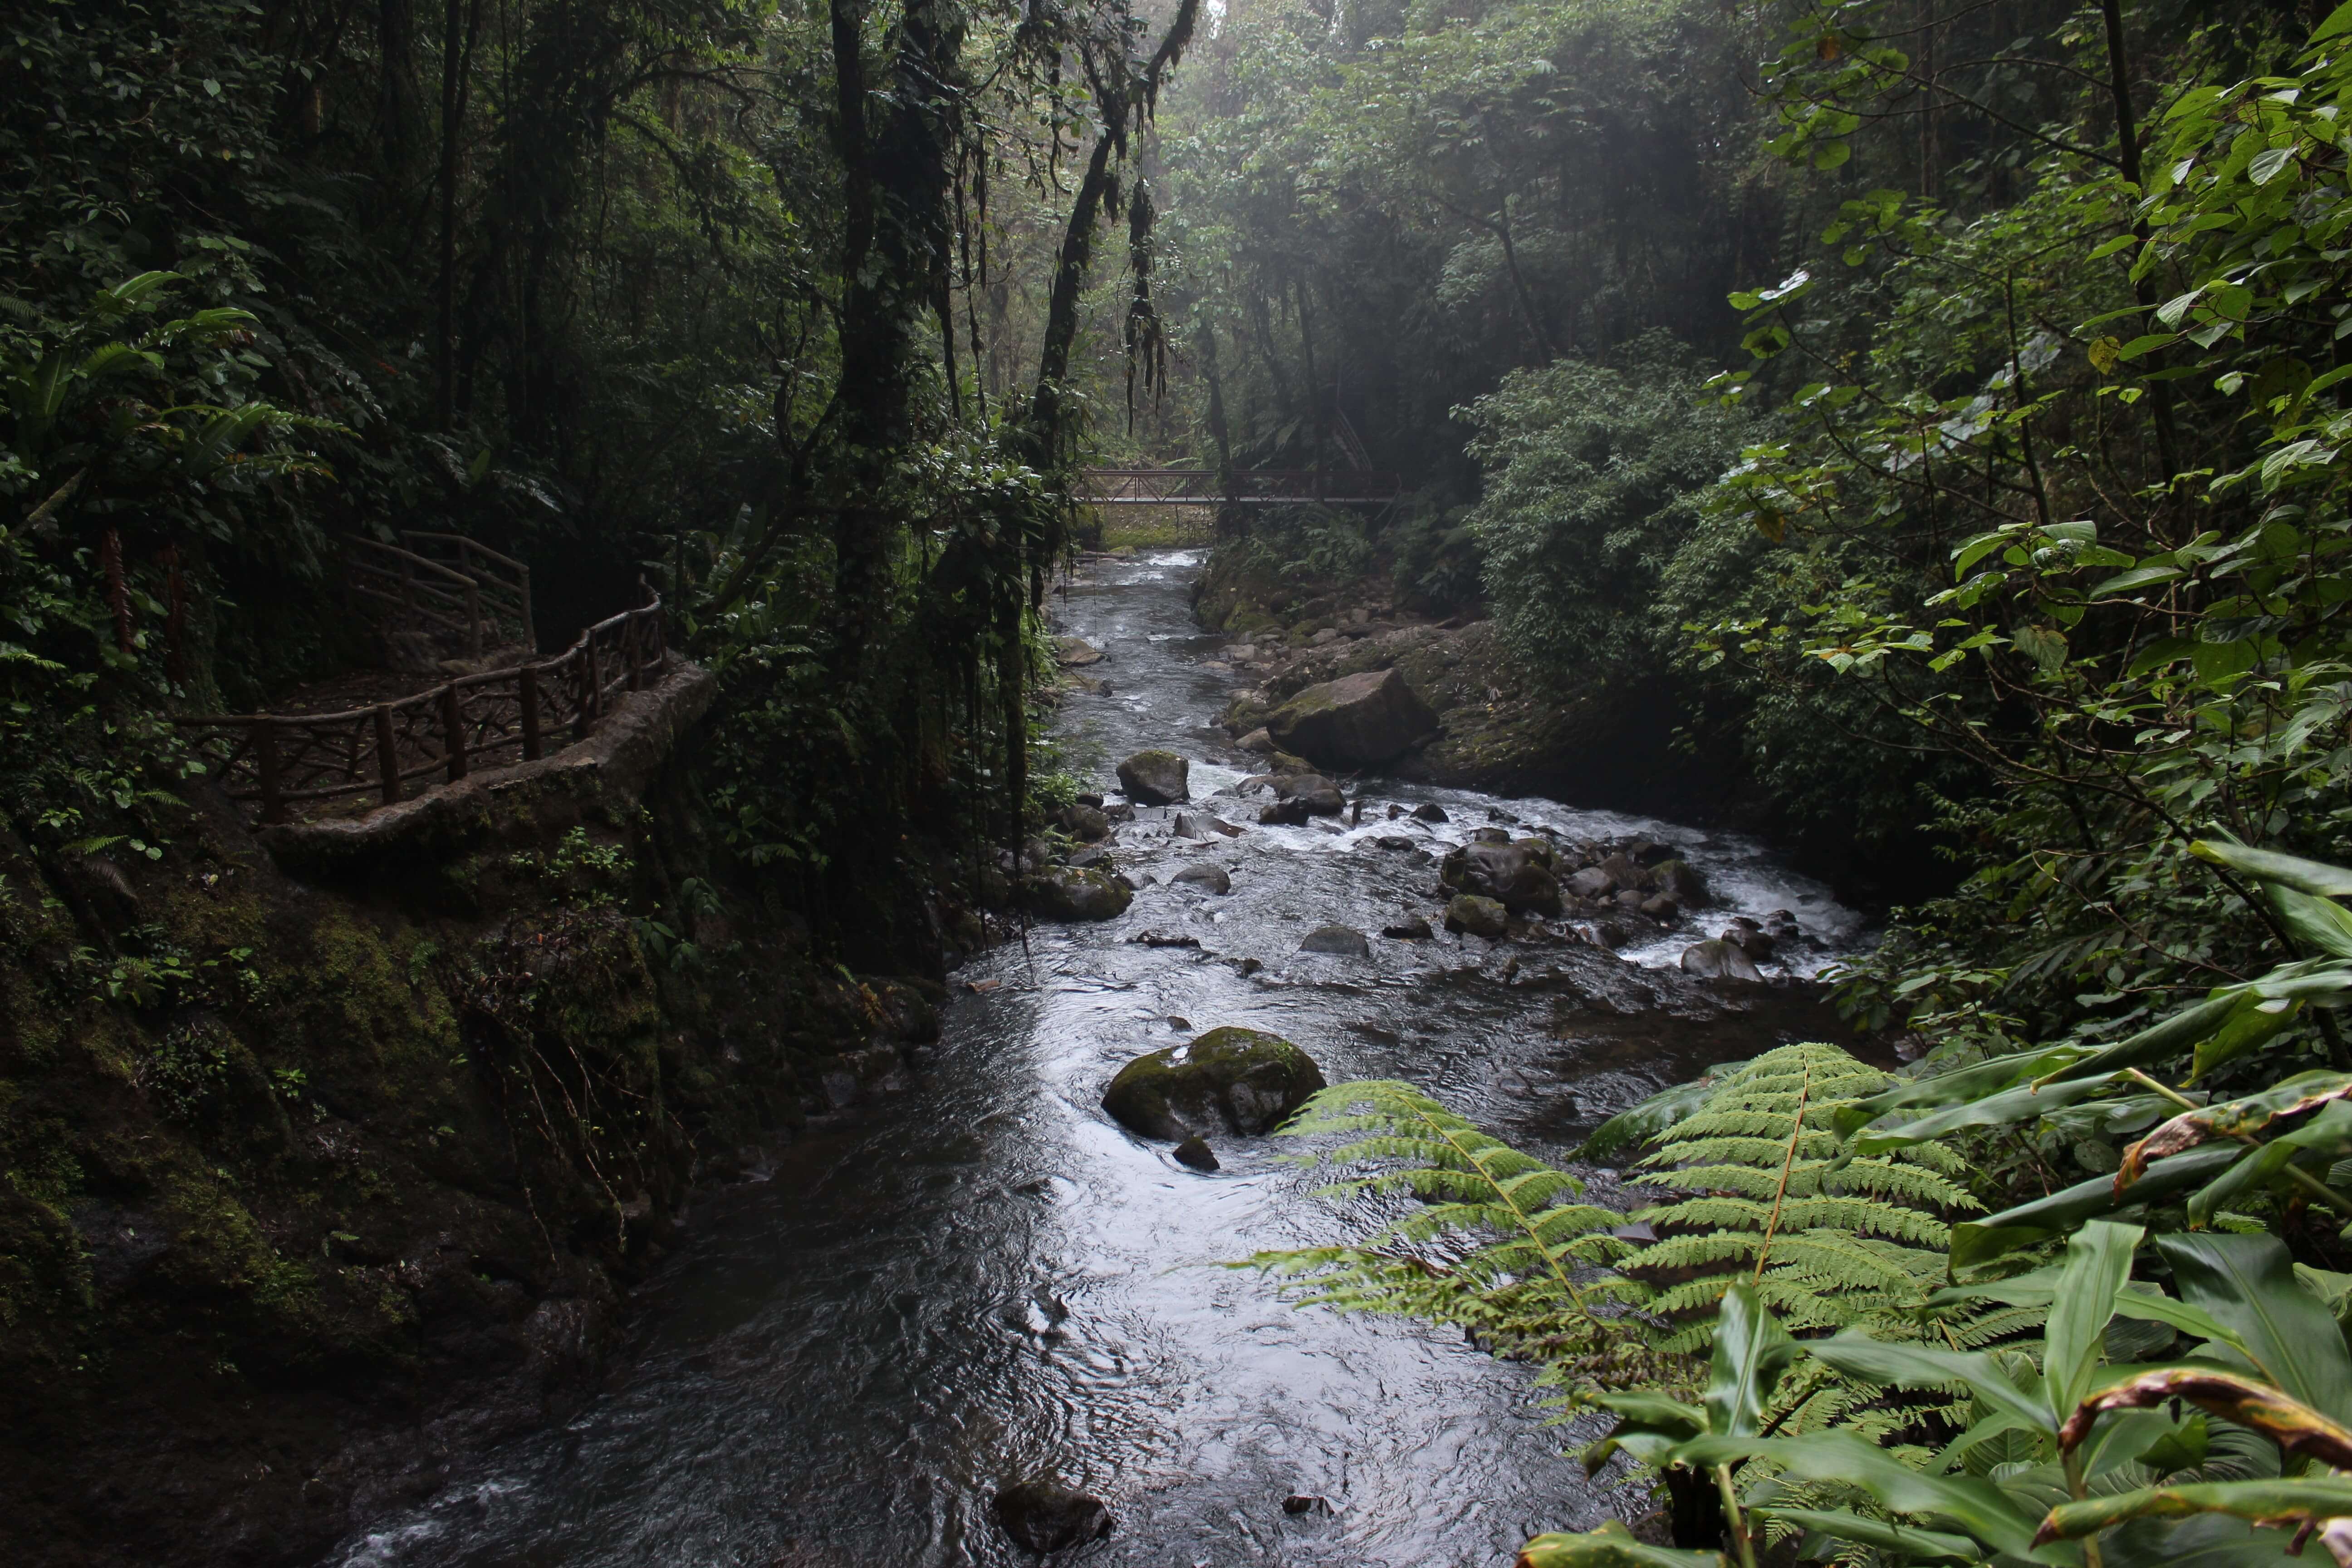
2321	923
2098	1261
1977	1241
1976	1506
1922	1545
2022	1103
2270	866
2248	1283
1856	1354
1611	1546
2329	1132
2274	1501
1751	1352
2139	577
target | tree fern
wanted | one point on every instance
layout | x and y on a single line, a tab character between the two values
1827	1244
1499	1244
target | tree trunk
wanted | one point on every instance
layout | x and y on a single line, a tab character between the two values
2143	289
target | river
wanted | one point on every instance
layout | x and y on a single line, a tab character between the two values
983	1277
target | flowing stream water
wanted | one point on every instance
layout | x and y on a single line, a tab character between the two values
983	1278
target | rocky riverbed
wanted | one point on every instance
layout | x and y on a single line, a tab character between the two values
946	1318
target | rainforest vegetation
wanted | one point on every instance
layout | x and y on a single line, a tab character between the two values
1946	404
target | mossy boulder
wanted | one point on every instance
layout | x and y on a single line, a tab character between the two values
1467	914
1075	893
1155	778
1355	721
1243	1081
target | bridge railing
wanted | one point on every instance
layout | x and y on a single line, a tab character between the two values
273	762
1249	487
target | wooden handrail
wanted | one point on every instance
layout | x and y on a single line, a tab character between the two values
277	759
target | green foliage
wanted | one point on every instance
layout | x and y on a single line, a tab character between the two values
1500	1246
1828	1242
1592	475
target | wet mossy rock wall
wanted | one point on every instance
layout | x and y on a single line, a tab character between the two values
308	1182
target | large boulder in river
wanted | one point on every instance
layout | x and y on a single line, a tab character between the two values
1243	1080
1047	1517
1508	873
1072	893
1353	721
1719	961
1155	778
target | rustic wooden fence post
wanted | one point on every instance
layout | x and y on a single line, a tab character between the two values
387	754
629	643
584	664
453	730
264	757
527	676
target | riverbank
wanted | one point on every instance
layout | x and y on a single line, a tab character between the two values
317	1188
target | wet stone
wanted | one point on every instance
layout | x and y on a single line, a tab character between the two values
1430	811
1343	941
1470	915
1195	1153
1156	778
1413	928
1245	1080
1208	877
1047	1517
1718	960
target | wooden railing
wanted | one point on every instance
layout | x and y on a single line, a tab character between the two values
502	583
1249	487
445	583
276	762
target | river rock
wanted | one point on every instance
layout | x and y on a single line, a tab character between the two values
1467	913
1429	811
1353	721
1086	823
1243	1080
1199	825
1205	875
1075	893
1680	881
1489	835
1344	941
1157	938
1625	872
1074	652
1322	796
1284	764
1719	961
1413	928
1047	1517
1300	797
1257	740
1749	938
1507	873
1195	1152
1592	882
1156	778
1659	907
